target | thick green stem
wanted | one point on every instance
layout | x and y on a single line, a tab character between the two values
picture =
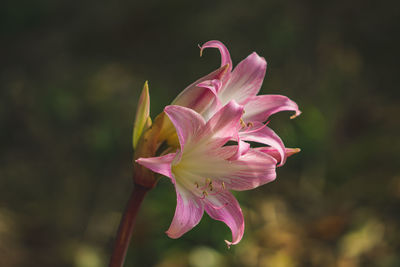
126	226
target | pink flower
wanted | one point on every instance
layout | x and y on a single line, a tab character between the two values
210	93
204	168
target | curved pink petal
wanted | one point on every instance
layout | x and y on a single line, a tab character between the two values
224	124
265	136
225	56
161	165
224	207
213	85
242	148
215	103
259	108
245	81
275	153
197	97
188	213
187	123
249	171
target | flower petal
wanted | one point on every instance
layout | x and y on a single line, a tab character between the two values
251	170
245	81
187	123
265	136
215	103
188	213
275	153
225	56
224	207
259	108
197	97
161	165
242	148
224	124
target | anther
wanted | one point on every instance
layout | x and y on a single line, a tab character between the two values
242	123
223	185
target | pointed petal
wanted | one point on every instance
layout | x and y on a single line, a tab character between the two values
188	213
242	148
245	80
251	170
224	124
161	165
275	153
265	136
225	56
224	207
197	97
259	108
142	115
187	123
215	103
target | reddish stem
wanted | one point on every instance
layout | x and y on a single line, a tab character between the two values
126	226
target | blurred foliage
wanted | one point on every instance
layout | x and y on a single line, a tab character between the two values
71	74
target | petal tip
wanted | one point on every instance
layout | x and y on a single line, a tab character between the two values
298	113
171	235
228	244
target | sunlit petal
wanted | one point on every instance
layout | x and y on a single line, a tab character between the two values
224	207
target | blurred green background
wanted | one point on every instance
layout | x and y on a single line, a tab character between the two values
71	73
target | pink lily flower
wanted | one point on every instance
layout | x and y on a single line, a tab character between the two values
204	168
210	93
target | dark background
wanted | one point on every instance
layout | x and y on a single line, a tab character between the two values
70	76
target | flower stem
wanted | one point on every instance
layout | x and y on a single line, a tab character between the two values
126	226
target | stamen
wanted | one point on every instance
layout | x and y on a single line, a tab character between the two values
242	123
223	185
205	193
197	184
249	124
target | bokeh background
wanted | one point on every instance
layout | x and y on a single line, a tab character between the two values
71	73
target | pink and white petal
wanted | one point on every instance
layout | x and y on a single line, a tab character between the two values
259	108
275	153
188	213
245	81
224	207
196	97
215	103
265	136
242	148
213	85
224	124
225	56
187	123
161	165
251	170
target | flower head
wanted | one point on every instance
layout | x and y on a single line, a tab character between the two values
210	93
222	106
204	169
